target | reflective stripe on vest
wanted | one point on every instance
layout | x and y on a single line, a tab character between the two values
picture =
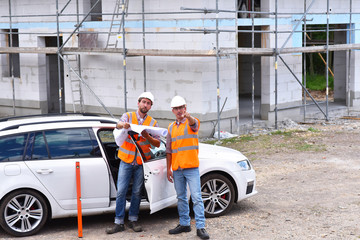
128	151
184	145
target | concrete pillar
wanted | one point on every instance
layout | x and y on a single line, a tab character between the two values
288	89
355	71
4	66
340	68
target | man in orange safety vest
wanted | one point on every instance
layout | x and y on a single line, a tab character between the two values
182	149
131	163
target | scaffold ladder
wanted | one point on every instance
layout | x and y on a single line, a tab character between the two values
75	82
116	25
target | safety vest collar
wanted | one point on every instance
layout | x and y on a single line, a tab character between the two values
186	134
148	120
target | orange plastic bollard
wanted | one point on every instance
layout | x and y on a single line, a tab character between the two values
78	192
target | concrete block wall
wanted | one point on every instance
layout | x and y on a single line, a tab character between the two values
43	7
152	6
30	86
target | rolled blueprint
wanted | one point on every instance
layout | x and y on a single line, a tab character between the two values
121	134
157	131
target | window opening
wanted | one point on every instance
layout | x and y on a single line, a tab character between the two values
96	13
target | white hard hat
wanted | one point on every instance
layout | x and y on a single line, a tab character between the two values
147	95
177	101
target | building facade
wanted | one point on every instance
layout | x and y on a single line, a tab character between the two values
184	48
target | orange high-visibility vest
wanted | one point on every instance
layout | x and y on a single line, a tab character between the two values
184	145
127	150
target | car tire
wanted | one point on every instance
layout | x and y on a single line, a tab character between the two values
218	194
23	213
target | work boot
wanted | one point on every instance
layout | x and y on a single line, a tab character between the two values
201	233
116	228
180	229
135	226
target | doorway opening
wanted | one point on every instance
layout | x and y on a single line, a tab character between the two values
245	76
52	78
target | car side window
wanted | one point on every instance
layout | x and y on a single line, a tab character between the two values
70	143
107	139
12	147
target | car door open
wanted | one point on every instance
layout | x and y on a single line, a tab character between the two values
161	193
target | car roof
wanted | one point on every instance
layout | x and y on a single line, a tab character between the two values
13	123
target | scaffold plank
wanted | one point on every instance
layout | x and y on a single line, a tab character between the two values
178	52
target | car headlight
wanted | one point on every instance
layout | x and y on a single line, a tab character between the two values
244	165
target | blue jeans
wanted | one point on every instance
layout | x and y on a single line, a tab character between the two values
183	177
126	172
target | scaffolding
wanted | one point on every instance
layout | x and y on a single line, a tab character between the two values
121	10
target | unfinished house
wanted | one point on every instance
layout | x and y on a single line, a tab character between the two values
238	63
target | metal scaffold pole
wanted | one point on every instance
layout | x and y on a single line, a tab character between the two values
143	39
327	60
237	66
11	60
124	52
58	55
252	66
349	62
276	62
304	63
217	67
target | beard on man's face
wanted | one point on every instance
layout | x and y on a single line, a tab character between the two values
144	110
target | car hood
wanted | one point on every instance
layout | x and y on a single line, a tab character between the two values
207	151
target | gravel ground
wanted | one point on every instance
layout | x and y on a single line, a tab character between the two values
304	193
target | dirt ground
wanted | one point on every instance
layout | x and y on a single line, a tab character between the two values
308	184
308	180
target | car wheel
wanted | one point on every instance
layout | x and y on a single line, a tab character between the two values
218	194
23	213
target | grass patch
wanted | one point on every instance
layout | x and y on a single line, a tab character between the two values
230	140
311	129
247	138
318	82
304	147
285	142
283	133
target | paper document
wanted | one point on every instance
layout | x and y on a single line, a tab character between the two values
120	135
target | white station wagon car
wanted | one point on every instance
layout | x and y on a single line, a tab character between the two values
38	156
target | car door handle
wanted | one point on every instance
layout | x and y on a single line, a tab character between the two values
44	171
156	171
